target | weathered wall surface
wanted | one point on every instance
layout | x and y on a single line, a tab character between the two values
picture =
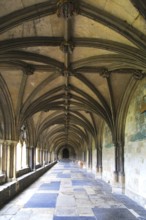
108	160
135	147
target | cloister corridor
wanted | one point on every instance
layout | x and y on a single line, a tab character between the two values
73	109
69	192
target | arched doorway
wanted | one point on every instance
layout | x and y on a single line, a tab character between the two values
65	153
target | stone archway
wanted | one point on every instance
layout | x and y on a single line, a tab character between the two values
65	153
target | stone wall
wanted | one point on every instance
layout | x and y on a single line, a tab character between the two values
108	160
135	147
11	189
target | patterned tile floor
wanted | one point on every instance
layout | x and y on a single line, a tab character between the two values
67	192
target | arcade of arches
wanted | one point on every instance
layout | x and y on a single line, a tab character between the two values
72	85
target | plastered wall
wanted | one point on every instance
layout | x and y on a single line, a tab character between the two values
135	147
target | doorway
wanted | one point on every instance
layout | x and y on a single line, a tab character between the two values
65	153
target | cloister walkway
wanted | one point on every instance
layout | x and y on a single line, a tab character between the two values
67	192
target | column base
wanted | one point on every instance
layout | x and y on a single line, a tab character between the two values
118	186
99	172
11	179
115	178
118	190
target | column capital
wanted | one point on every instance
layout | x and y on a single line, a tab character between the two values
9	142
1	141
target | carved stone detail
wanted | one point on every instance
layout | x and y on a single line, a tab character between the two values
29	70
67	88
23	134
66	72
67	47
138	75
105	73
67	8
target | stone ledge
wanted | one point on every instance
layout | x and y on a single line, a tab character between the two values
23	171
2	179
11	189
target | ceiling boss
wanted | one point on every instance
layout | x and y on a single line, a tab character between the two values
67	8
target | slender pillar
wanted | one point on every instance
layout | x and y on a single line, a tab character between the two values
99	162
27	156
119	176
50	157
14	156
42	156
116	163
30	158
8	163
4	160
91	158
44	152
11	160
34	158
47	157
121	166
38	156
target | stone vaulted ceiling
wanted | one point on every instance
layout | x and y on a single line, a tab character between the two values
66	67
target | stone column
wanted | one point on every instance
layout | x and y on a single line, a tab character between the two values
99	162
44	157
4	159
39	155
30	158
121	167
34	158
119	177
27	156
115	181
53	156
90	158
50	159
14	156
9	161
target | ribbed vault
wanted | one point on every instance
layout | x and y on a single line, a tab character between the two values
68	67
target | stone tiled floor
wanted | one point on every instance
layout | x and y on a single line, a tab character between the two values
67	192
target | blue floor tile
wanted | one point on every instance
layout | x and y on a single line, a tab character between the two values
81	183
42	200
55	185
73	218
113	214
63	176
